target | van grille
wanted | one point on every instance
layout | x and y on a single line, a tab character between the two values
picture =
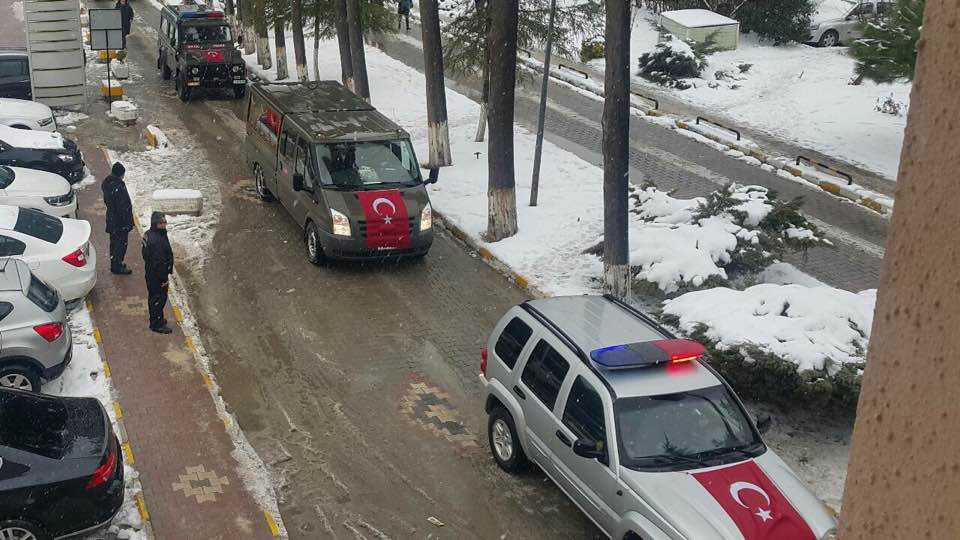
411	224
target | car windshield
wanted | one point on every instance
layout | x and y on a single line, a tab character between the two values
32	424
6	177
361	164
684	428
206	34
39	225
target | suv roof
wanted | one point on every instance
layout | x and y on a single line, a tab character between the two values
14	275
597	322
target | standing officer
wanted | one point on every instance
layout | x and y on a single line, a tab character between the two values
119	217
158	264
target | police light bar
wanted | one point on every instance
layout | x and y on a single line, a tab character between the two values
647	354
202	15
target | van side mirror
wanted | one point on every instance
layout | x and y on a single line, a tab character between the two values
589	449
297	182
434	176
764	422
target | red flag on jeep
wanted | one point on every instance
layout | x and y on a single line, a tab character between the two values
388	226
211	55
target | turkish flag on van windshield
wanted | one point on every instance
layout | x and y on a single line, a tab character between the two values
388	226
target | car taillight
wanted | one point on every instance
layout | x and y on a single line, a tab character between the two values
50	331
77	258
483	360
105	471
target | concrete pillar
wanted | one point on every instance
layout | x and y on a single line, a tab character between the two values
904	476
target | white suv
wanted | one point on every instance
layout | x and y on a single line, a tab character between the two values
636	428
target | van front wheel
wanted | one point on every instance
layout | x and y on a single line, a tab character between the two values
314	249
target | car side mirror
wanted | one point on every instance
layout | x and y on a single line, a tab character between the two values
764	422
589	449
297	182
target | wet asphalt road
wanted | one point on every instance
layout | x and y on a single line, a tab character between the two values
357	385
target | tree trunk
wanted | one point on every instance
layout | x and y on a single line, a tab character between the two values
228	9
502	203
299	48
616	149
280	42
247	20
485	84
343	39
263	36
437	130
316	46
361	86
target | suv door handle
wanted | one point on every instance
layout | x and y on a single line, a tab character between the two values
563	438
519	392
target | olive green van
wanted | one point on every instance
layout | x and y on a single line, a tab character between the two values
345	172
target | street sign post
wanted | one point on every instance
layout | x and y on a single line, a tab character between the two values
106	32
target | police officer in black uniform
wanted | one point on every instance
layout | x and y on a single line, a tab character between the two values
158	263
119	217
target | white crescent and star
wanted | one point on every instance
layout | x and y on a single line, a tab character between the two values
763	513
379	201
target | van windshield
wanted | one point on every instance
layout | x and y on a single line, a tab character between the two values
361	164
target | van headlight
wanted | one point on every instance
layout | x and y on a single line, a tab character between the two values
426	218
341	225
45	121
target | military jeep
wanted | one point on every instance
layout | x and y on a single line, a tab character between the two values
196	48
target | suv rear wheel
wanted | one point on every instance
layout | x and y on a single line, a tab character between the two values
21	378
504	443
16	529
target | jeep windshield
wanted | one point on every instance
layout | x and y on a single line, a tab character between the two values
207	34
358	165
684	430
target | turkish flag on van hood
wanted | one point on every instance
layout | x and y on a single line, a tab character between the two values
388	226
754	503
212	55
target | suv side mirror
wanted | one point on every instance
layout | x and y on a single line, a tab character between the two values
589	449
764	422
297	182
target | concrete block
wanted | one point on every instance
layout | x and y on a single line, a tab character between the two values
111	89
177	201
156	138
124	112
105	56
120	70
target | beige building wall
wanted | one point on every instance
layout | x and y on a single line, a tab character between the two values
904	476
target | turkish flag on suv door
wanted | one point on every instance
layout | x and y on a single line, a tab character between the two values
388	226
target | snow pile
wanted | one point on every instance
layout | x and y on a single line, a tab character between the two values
68	118
28	138
813	327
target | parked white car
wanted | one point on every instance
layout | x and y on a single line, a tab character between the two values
40	190
57	250
23	114
844	30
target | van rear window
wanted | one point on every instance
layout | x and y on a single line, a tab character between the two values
39	225
512	341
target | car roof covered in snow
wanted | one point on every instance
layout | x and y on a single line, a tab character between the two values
597	322
697	18
27	138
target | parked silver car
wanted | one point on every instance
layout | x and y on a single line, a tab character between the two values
636	428
35	340
848	28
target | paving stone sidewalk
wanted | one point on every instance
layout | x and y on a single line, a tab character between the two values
177	439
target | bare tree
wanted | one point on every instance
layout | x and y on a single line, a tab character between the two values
616	149
502	198
299	48
247	23
438	132
343	39
357	54
263	37
280	42
316	43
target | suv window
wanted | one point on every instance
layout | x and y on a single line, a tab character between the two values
41	294
11	246
863	9
544	373
13	67
5	309
512	341
39	225
584	412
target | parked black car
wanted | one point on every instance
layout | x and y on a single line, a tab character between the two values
15	74
15	152
61	469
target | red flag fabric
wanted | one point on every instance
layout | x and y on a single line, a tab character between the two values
388	226
211	55
754	503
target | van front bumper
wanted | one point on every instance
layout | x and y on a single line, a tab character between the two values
355	249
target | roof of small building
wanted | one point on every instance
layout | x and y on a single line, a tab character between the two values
697	18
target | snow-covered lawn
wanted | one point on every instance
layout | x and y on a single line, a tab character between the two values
86	377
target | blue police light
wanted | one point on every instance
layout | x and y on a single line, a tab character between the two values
647	353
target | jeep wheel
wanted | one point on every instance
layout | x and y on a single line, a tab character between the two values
164	69
20	378
182	91
504	443
260	184
239	90
312	241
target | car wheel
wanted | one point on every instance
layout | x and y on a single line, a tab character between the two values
314	249
260	184
182	91
830	38
20	378
16	529
239	90
504	443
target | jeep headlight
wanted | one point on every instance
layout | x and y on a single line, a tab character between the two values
46	121
341	225
236	68
195	70
66	158
426	218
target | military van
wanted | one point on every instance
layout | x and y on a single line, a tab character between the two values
196	49
346	173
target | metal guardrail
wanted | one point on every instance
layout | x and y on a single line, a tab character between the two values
575	70
819	165
719	125
656	103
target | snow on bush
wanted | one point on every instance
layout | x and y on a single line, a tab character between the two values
890	105
818	328
670	63
734	232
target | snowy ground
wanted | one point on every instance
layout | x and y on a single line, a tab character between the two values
85	377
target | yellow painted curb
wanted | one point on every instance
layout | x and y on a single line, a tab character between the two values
128	453
177	314
682	125
759	155
207	381
521	282
96	335
485	253
272	524
106	370
793	170
226	421
190	345
142	507
117	410
873	205
830	187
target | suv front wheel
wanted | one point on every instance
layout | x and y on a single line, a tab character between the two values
504	443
